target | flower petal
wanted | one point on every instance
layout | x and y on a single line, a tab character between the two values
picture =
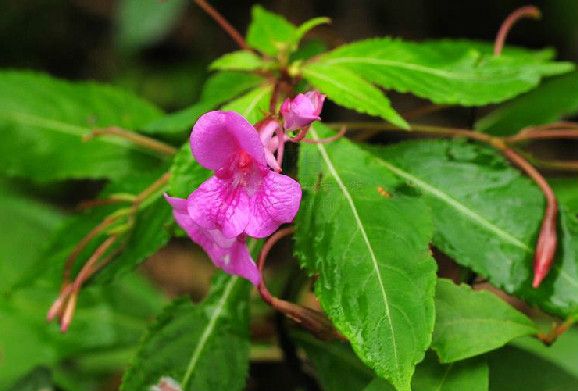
217	204
219	135
276	203
229	254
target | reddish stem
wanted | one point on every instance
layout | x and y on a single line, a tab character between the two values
326	140
548	237
523	12
314	321
225	25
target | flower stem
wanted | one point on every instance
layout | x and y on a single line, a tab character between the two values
314	321
225	25
138	139
556	331
523	12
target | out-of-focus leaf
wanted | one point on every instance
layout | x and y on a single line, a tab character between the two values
551	101
350	90
336	366
270	33
219	88
39	379
469	323
445	72
379	296
310	25
204	347
106	318
515	369
487	215
142	23
561	353
471	375
253	105
43	121
25	227
242	60
567	192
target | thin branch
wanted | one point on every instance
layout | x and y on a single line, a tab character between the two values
138	139
523	12
225	25
326	140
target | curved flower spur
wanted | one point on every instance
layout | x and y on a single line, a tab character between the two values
243	198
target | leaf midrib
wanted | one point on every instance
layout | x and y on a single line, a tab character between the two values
361	228
208	331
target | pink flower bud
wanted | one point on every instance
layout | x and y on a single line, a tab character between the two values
302	110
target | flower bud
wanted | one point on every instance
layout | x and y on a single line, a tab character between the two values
302	110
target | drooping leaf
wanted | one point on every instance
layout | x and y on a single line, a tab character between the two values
445	72
204	347
380	297
469	323
142	23
348	89
253	105
309	25
43	121
336	366
471	375
241	60
270	33
514	369
487	215
219	88
550	102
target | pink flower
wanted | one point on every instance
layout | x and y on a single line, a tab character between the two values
302	110
244	195
229	254
243	198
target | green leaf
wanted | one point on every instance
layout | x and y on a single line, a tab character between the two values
515	369
469	323
347	89
379	296
567	192
186	173
562	353
551	101
142	23
26	226
487	215
204	347
44	119
39	379
241	60
310	25
471	375
253	105
270	33
106	318
445	72
219	88
336	366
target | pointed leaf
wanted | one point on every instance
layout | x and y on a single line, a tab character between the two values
469	323
379	296
242	60
347	89
270	33
445	72
487	215
204	347
253	105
